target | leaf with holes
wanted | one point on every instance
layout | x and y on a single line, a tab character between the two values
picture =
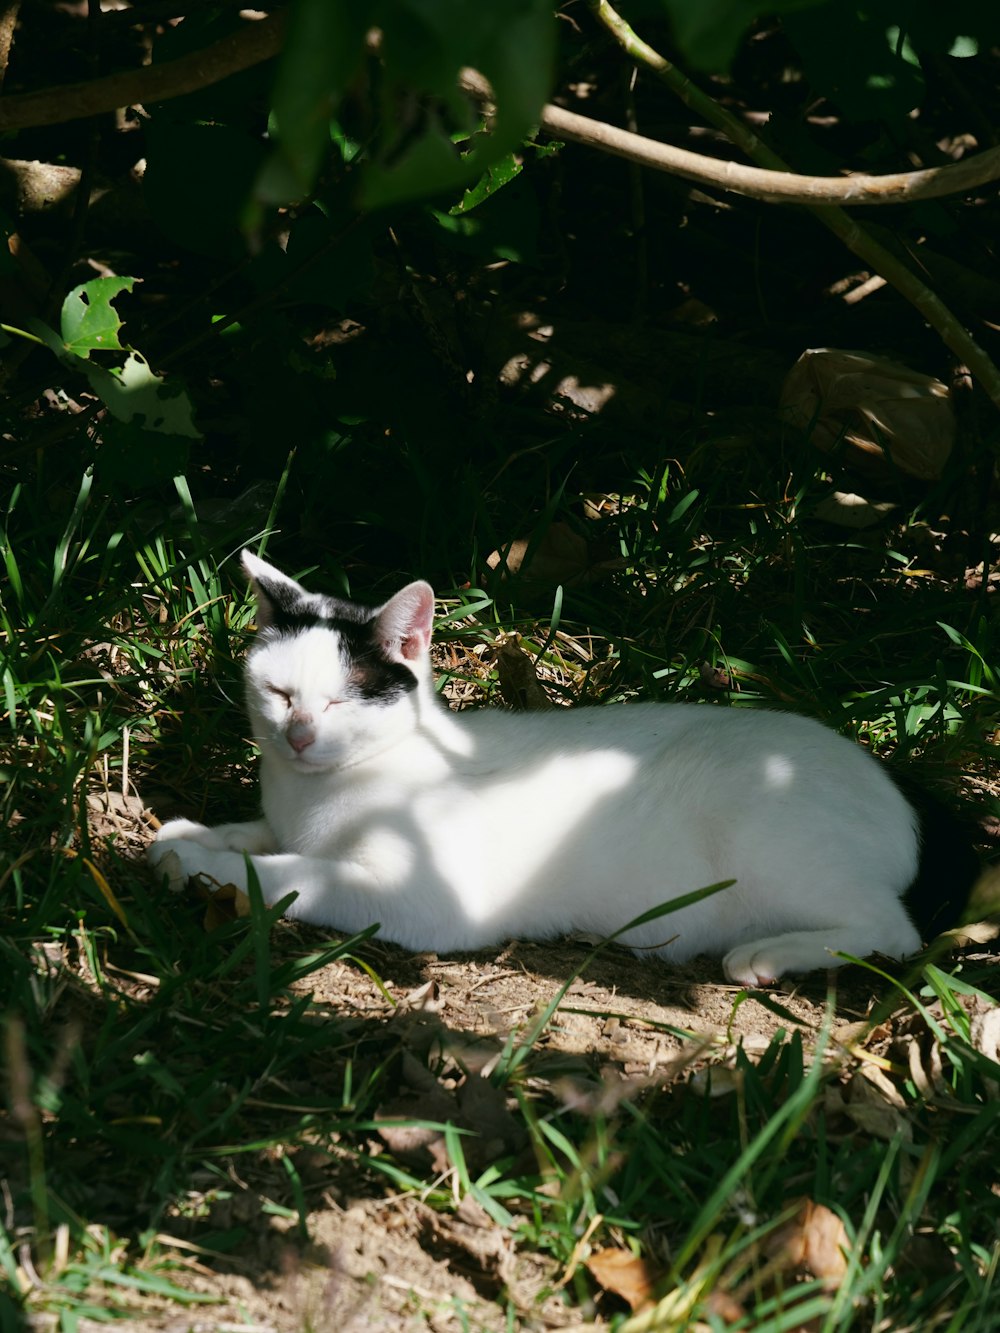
135	393
89	322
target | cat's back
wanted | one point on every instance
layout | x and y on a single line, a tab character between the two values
709	734
700	756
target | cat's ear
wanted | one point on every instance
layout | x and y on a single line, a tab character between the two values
275	592
404	624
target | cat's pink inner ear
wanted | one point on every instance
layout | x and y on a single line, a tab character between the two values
406	621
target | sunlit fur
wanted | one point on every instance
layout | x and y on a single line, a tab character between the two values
459	831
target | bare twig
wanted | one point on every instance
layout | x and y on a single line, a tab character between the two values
851	233
248	46
777	183
781	186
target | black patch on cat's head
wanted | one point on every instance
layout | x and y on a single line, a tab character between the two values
285	608
371	673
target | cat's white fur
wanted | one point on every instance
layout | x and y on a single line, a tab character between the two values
460	831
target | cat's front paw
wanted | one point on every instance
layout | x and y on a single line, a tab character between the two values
751	966
254	837
182	850
186	830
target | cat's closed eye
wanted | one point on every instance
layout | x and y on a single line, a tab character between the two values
282	694
331	703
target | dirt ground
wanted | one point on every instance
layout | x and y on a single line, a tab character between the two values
380	1258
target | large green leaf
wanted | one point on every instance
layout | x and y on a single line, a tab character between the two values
131	457
858	60
708	32
322	53
426	45
135	393
197	182
960	28
89	322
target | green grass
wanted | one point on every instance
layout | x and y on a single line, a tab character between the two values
151	1064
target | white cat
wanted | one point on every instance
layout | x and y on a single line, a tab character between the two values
457	831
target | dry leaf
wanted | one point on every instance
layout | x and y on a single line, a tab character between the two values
560	555
694	313
624	1274
873	409
984	1035
484	1108
716	1080
925	1258
724	1306
426	997
520	687
716	678
477	1107
870	1109
847	510
976	932
814	1239
222	904
884	1085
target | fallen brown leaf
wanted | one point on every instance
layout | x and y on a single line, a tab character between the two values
560	555
477	1107
625	1274
875	1105
814	1239
870	410
223	903
520	687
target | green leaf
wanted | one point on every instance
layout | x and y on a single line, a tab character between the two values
963	47
197	183
322	53
505	226
135	393
493	179
89	322
130	458
430	167
426	45
857	60
709	32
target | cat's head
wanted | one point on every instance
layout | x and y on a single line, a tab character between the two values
330	681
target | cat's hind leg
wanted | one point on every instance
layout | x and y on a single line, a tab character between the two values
761	962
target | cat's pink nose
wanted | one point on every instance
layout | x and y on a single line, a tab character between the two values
301	733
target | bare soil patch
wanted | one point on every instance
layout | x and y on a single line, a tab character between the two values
373	1255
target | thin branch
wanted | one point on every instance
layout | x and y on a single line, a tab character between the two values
952	333
240	50
776	187
779	185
